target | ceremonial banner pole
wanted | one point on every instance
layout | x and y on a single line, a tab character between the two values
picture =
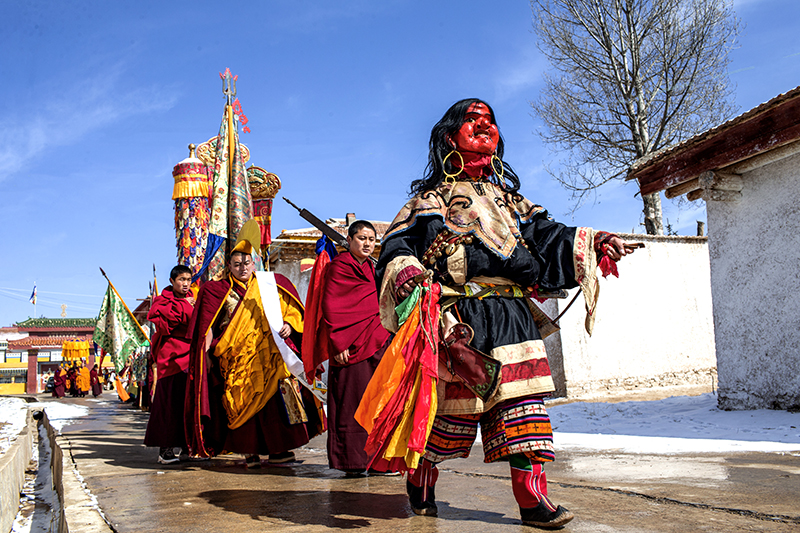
146	336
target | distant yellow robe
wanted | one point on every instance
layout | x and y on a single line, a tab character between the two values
84	379
250	361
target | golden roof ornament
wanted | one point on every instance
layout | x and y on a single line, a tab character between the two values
207	152
263	184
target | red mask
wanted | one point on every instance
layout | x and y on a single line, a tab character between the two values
478	133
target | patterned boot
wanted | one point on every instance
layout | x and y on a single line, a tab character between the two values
529	483
420	487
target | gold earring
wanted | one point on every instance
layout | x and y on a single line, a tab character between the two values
451	178
502	168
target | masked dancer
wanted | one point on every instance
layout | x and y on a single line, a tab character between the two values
493	249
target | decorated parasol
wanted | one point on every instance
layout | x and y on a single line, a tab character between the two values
190	193
72	350
263	187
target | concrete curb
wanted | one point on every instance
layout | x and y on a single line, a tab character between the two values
12	473
81	509
58	519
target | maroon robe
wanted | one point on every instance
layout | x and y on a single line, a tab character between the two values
72	381
171	316
207	432
351	315
350	308
97	389
171	342
59	383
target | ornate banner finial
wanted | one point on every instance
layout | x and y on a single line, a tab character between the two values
228	84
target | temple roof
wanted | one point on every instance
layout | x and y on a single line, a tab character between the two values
57	323
768	126
45	341
298	244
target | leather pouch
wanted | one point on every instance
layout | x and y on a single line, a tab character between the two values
479	372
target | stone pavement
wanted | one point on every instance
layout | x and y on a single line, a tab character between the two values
608	492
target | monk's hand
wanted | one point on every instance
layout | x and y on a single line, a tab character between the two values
342	358
190	300
615	248
405	290
285	331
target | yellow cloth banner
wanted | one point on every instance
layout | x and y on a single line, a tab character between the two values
398	444
121	392
75	350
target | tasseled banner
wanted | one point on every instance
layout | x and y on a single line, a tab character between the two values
315	347
262	209
191	231
400	402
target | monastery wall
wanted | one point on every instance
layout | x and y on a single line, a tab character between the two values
653	328
755	278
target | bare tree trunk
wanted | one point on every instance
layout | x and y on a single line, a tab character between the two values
652	214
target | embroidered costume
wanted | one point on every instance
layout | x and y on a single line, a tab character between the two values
500	241
488	251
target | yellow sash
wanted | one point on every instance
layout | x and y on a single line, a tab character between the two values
250	362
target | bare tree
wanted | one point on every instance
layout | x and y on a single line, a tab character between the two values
629	77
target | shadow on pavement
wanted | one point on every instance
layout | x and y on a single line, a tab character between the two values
338	509
335	509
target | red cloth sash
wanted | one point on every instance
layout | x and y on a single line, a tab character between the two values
350	308
316	347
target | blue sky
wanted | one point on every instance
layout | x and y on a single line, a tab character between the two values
99	100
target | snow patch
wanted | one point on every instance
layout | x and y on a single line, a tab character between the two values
12	421
681	424
60	414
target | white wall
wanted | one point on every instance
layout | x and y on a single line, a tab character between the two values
654	324
755	280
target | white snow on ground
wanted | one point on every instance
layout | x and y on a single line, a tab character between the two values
38	495
681	424
12	421
60	414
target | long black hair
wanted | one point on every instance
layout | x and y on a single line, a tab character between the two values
440	145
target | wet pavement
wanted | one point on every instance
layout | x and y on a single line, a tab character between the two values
608	492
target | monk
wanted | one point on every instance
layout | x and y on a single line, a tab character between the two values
352	318
71	383
97	388
59	382
170	312
239	397
83	380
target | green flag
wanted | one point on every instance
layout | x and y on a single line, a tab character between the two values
117	332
